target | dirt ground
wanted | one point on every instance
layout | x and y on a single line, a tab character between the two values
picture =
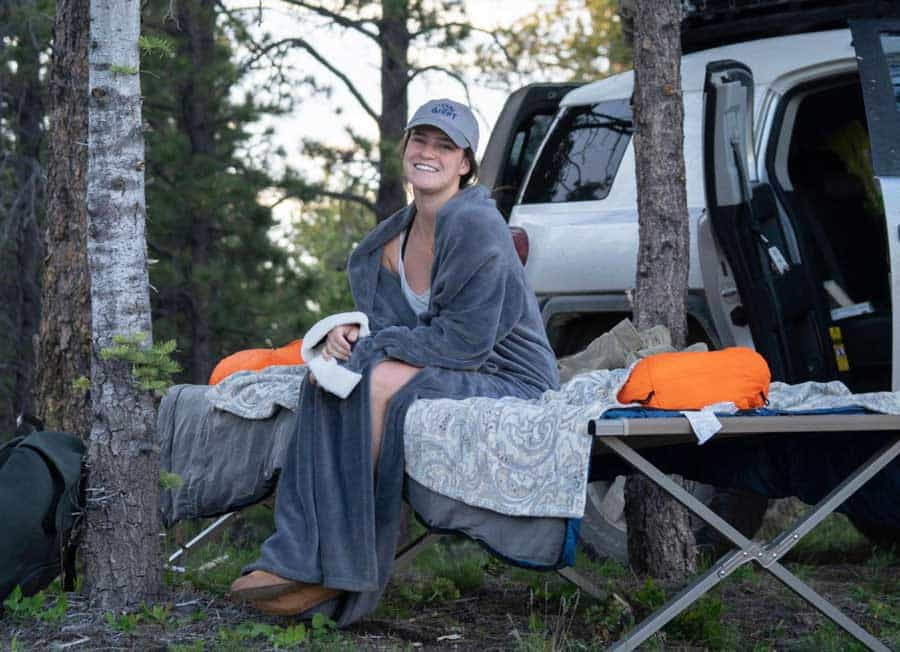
507	612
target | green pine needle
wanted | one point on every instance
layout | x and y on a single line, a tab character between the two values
156	45
152	367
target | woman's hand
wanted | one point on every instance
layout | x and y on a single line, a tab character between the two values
339	342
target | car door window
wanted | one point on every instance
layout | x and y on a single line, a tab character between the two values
522	151
582	154
877	44
525	146
890	45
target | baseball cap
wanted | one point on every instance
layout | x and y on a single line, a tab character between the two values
454	119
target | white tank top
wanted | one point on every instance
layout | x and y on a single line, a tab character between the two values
418	302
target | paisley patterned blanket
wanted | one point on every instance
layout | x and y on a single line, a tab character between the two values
513	456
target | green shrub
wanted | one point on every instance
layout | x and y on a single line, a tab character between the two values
650	596
701	624
48	606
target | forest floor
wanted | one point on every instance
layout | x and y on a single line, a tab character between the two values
457	597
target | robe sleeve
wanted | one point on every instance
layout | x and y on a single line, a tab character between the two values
476	299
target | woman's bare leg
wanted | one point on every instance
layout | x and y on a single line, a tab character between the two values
387	378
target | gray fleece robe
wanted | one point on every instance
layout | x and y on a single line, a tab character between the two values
482	335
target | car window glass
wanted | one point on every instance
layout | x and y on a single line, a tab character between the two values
536	132
525	146
890	44
515	152
580	158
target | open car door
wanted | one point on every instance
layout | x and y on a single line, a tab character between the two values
781	303
877	44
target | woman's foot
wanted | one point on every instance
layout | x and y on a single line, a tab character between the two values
261	585
297	601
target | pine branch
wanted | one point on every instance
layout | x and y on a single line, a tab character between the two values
493	34
339	19
447	71
304	44
246	38
331	194
351	197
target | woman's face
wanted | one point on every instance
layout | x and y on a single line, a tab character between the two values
433	163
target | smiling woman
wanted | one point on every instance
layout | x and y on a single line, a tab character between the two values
451	316
432	163
458	141
438	160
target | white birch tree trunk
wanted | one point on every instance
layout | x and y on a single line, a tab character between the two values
122	547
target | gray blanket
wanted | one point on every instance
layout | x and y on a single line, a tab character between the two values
225	462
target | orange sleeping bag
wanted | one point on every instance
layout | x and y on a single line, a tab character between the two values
692	380
256	359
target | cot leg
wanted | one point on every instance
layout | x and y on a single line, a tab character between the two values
827	609
208	531
767	556
785	541
583	583
691	593
406	554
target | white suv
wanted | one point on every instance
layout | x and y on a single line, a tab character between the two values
792	151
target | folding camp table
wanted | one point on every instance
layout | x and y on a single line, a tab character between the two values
625	437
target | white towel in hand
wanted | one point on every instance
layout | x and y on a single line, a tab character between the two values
329	374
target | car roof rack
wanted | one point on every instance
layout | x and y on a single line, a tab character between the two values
713	23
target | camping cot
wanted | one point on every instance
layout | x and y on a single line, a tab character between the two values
633	439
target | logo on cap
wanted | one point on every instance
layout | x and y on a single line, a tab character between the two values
445	110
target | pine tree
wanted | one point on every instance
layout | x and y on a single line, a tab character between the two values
660	539
25	27
221	284
65	329
324	234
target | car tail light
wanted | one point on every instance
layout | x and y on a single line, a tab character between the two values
520	240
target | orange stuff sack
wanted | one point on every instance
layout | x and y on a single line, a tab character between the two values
692	380
256	359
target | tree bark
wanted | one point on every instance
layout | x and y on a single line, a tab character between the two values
20	246
661	541
662	270
122	548
64	338
394	43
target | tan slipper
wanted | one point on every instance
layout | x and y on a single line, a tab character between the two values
261	585
297	601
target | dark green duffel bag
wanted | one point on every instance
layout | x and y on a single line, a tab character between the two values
39	487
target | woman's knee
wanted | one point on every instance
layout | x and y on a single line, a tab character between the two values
388	377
